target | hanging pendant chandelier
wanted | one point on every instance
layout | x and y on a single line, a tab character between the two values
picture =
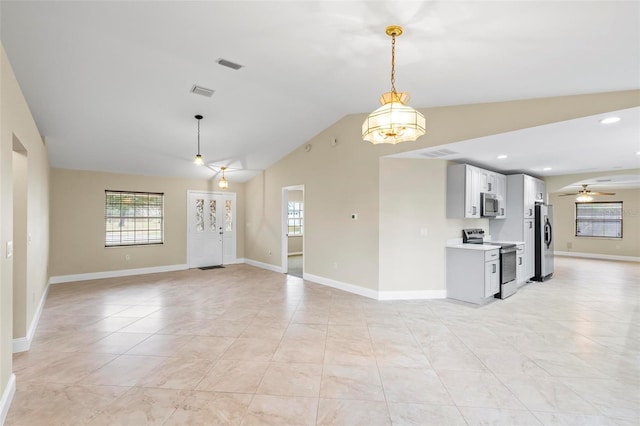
394	121
198	161
223	183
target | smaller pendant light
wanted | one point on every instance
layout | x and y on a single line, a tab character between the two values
198	161
223	183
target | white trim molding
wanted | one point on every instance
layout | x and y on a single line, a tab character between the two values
7	397
114	274
597	256
267	266
295	253
351	288
23	344
412	295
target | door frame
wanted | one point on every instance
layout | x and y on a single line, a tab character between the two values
284	256
234	197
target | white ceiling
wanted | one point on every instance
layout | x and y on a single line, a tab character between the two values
108	82
582	145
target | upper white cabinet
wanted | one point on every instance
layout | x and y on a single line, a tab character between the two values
488	181
465	183
523	191
463	191
501	192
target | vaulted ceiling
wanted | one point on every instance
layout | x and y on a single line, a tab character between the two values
109	83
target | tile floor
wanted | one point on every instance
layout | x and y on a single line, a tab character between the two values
242	345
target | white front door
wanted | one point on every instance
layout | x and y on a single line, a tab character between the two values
211	228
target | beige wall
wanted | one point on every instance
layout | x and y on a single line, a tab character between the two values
412	204
345	179
564	226
17	125
77	210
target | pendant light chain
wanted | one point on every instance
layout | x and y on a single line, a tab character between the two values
198	136
393	64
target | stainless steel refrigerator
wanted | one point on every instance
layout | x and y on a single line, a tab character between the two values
543	242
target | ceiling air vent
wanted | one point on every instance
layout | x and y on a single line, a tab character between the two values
229	64
439	153
199	90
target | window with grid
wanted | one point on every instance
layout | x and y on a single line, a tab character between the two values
295	218
600	219
133	218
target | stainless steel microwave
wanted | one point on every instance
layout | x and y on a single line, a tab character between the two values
490	205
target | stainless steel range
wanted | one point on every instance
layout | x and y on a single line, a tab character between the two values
508	284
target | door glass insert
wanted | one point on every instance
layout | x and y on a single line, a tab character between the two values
212	215
199	215
228	219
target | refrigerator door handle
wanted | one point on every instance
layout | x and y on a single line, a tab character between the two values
548	233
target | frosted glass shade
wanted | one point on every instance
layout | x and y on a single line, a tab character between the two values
393	122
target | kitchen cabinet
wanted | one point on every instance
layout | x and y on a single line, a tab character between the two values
488	181
491	278
539	191
520	274
501	192
522	193
473	274
463	191
529	233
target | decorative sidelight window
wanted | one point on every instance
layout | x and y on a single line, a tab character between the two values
295	218
133	218
599	219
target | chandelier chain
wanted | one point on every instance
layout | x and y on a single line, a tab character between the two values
393	64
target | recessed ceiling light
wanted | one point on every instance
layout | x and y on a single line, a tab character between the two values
501	157
546	169
610	120
638	153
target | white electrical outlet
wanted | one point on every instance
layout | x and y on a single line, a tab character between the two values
9	249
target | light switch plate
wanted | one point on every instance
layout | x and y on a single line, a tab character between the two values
9	249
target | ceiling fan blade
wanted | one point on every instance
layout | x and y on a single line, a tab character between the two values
602	193
564	195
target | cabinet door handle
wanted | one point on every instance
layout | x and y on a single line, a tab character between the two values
502	211
489	186
520	260
530	212
530	225
493	268
474	210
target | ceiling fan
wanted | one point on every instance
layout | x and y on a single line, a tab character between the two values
586	195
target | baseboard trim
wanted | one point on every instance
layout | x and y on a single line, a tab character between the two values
114	274
350	288
23	344
235	261
262	265
7	397
412	295
597	256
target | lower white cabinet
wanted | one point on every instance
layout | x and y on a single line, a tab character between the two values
473	274
491	278
529	233
520	278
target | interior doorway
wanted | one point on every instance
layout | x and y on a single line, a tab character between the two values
293	230
19	167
